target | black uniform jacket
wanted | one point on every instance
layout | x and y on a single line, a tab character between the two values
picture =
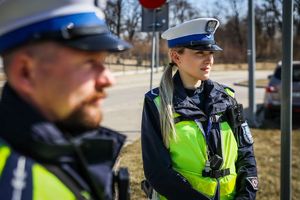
27	132
156	159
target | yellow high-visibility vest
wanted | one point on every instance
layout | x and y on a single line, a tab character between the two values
45	185
189	155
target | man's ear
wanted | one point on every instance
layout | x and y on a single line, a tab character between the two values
20	72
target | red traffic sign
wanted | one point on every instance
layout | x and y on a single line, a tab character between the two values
151	4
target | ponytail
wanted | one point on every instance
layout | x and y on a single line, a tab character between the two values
166	110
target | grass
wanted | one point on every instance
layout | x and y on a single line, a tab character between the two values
244	66
267	151
131	157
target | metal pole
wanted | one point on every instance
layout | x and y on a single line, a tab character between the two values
157	51
153	48
251	63
286	101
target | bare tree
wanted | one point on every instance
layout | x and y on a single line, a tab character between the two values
132	20
297	17
124	19
236	21
273	16
232	32
114	14
180	11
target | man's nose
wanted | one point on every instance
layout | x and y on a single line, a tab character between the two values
105	79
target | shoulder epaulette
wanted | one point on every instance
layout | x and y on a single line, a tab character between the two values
229	91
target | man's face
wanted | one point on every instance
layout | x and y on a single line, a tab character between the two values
69	85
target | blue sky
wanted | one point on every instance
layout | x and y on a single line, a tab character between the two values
200	3
209	8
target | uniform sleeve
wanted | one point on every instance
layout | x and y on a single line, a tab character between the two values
247	182
157	162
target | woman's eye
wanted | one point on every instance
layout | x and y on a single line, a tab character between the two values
201	53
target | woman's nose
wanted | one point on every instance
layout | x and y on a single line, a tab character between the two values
209	57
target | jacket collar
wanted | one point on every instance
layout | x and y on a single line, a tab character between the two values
216	99
16	118
183	104
27	131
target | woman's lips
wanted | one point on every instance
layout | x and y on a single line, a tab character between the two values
206	69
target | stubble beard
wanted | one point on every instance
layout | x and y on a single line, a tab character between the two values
80	121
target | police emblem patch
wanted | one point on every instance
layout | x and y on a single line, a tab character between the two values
211	26
246	133
253	181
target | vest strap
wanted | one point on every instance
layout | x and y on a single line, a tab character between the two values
218	118
216	173
68	181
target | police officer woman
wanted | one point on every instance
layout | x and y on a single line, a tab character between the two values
195	141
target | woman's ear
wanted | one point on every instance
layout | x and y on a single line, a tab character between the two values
175	57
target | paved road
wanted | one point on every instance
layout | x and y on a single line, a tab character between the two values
123	107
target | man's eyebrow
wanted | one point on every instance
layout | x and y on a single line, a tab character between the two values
201	51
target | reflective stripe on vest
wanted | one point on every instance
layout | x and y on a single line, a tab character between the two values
44	184
189	155
4	153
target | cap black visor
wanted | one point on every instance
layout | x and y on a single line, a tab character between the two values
98	42
209	47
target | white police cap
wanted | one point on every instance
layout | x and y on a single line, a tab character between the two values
194	34
76	23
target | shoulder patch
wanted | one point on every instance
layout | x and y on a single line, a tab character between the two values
152	94
253	181
247	133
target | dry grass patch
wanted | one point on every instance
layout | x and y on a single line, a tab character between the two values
131	157
260	83
244	66
267	151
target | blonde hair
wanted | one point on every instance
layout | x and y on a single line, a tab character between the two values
166	109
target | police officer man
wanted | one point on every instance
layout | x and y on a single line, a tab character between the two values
51	145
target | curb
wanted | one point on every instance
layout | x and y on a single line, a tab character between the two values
131	72
246	85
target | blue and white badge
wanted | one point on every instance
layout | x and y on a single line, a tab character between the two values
247	133
253	181
211	26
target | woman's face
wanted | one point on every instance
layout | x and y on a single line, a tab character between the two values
193	65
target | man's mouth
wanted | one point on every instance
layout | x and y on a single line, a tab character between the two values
96	98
